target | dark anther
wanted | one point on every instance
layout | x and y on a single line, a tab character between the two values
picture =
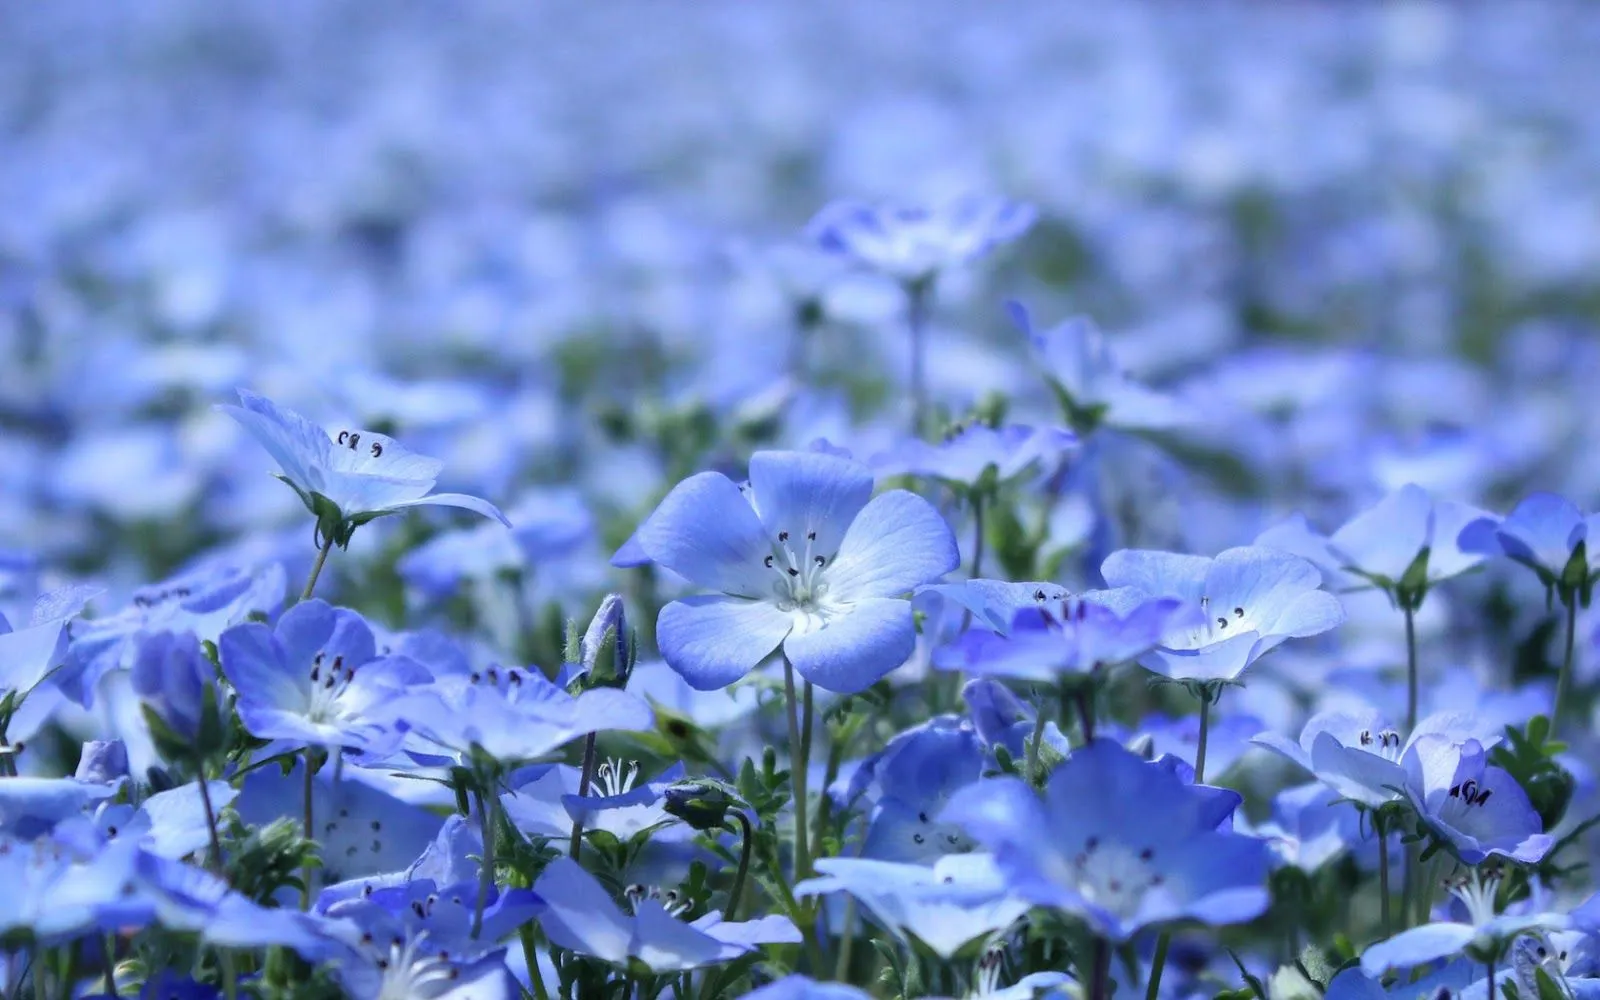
919	838
343	436
1038	595
1091	843
821	560
767	562
783	536
811	536
922	817
476	677
377	450
354	440
376	826
1238	612
793	571
1222	623
1146	854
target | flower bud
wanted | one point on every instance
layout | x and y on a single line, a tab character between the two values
702	803
178	688
607	646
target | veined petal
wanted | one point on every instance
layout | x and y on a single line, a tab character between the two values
581	914
897	542
252	660
855	648
713	640
706	531
808	491
475	504
298	446
1158	574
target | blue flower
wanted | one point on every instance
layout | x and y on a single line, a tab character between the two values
1228	739
358	474
947	906
1093	388
1483	935
798	987
1120	841
169	824
31	807
1545	533
617	803
803	560
582	917
29	653
1479	809
1359	754
1308	827
914	243
990	604
513	716
1077	636
1250	599
312	679
969	453
1452	980
178	687
913	778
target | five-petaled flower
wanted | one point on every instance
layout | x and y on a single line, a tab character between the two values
805	558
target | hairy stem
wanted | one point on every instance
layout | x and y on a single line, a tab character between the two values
1411	668
488	815
799	747
585	778
748	845
1564	679
316	569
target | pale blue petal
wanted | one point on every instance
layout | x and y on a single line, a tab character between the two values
299	446
252	661
1416	946
707	532
1158	574
800	492
1384	540
475	504
853	650
712	640
582	916
896	543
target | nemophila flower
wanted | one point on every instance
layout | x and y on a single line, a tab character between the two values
204	601
362	829
972	454
28	654
1308	827
618	803
104	762
1250	600
990	604
958	901
914	243
1477	808
350	477
31	807
803	559
1118	840
1452	980
1360	755
168	824
1544	532
315	679
1482	935
1076	636
1228	738
1093	389
582	917
512	715
58	890
182	897
177	686
546	525
910	781
1001	718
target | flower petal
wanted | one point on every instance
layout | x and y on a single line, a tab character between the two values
1158	574
295	443
1416	946
475	504
808	491
897	542
712	640
706	531
852	651
252	660
581	915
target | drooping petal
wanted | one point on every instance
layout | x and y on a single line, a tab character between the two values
853	650
667	944
295	443
581	915
475	504
712	640
1416	946
801	492
897	542
707	532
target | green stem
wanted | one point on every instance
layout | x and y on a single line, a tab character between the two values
214	860
1099	983
1411	668
1491	979
1084	696
1158	962
585	777
309	829
1205	733
1564	679
531	953
488	816
316	569
1383	873
735	893
836	748
977	533
230	975
110	945
919	297
1033	774
799	746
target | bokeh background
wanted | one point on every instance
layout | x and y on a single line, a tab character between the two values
557	245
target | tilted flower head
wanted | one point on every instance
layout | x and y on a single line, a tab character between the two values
970	455
911	779
315	679
583	917
947	906
1404	544
1093	389
1250	600
1118	840
914	243
1544	532
1077	635
178	687
806	559
1478	808
348	477
1360	755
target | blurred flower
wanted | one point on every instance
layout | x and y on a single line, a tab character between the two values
913	244
1482	935
1544	532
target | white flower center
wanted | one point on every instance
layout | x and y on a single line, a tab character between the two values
1476	893
1218	623
330	679
409	972
616	777
671	901
1115	876
798	569
1385	743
